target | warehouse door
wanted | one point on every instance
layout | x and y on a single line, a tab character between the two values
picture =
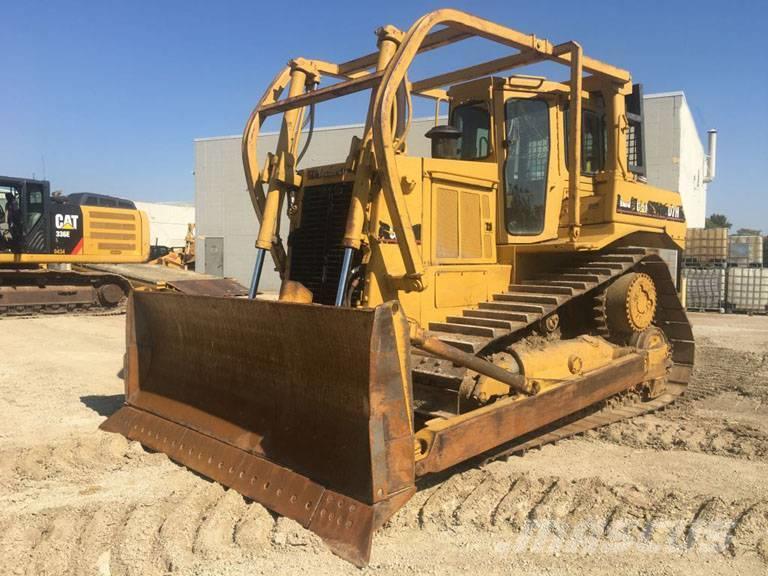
214	255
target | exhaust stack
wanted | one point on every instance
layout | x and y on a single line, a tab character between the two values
711	155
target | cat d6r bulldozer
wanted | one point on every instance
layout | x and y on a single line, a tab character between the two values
505	292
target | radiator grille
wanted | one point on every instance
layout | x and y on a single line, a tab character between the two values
471	239
447	223
316	249
117	230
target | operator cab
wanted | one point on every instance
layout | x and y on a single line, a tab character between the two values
22	204
532	149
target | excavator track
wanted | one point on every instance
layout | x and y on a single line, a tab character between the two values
526	306
37	292
40	292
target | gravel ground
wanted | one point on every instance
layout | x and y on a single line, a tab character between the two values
679	491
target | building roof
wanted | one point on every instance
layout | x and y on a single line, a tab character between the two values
665	94
317	129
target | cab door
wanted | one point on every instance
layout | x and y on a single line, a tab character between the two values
530	199
34	200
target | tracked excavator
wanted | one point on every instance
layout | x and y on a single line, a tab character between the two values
82	252
39	231
503	293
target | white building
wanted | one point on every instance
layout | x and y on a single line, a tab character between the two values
675	156
168	221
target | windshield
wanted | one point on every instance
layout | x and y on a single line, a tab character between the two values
525	169
474	122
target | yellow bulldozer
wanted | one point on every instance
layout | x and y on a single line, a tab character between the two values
505	292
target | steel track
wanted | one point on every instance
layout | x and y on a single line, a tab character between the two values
58	279
589	279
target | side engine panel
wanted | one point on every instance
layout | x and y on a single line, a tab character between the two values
66	229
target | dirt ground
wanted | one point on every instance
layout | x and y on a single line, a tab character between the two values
680	491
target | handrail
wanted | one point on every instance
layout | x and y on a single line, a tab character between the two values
529	44
382	134
351	86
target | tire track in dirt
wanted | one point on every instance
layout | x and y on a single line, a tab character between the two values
53	552
97	537
195	522
179	530
129	512
588	512
693	434
131	553
134	512
719	369
76	458
697	422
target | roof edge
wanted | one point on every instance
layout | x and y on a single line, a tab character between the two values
320	129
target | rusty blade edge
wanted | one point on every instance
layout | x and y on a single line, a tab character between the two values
346	525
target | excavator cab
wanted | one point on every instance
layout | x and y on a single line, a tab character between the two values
501	293
21	206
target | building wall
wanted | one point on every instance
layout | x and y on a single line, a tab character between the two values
168	222
675	156
224	208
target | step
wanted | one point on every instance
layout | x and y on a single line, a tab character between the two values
603	270
592	278
569	283
541	289
619	259
629	250
540	310
466	329
487	322
531	298
611	266
503	315
604	274
465	342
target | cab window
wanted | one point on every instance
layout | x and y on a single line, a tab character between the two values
474	122
593	141
34	209
526	164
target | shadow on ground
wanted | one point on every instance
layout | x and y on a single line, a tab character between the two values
104	405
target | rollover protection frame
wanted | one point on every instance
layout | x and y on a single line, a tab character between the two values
385	73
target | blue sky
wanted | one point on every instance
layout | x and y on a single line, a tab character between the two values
107	96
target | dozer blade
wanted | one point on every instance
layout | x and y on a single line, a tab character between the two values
306	409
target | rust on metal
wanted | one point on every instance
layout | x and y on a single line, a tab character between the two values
322	414
222	287
486	428
432	345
